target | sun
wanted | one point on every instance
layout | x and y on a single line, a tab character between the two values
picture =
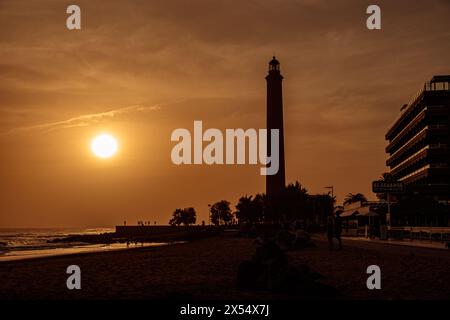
104	146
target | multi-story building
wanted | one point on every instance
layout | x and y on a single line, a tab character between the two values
419	142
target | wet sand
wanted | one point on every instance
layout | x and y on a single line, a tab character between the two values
70	250
206	269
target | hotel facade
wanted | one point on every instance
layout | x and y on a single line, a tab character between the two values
418	142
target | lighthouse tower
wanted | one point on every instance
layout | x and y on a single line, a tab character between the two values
275	183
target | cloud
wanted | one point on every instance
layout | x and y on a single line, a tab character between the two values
87	119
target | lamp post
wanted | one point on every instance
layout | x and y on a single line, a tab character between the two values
209	214
332	191
332	198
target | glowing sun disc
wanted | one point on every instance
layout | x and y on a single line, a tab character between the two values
104	146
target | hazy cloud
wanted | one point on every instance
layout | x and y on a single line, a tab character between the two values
86	120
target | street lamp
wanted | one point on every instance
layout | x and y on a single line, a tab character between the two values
332	195
209	214
332	191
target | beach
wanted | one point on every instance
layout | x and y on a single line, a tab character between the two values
207	268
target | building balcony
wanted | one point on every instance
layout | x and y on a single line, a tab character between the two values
430	114
426	172
438	85
428	133
396	142
397	155
428	154
419	155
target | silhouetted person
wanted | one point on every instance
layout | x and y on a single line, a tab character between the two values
330	231
338	229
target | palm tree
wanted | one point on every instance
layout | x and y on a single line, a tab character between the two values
352	198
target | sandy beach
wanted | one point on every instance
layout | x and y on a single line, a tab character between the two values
206	269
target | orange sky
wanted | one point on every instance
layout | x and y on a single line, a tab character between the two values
140	69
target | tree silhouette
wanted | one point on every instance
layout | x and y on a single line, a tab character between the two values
294	203
220	213
251	210
176	217
352	198
184	216
189	216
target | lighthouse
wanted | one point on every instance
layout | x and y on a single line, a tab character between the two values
275	183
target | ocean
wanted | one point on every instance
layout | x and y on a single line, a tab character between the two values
26	243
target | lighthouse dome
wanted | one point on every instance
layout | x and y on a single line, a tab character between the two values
274	61
274	64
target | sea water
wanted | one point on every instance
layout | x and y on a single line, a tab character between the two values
18	244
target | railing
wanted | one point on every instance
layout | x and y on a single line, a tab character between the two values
437	108
420	233
431	146
436	86
406	145
395	169
415	172
439	165
438	126
428	86
405	129
412	123
438	146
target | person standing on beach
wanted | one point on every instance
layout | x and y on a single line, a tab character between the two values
330	231
338	229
